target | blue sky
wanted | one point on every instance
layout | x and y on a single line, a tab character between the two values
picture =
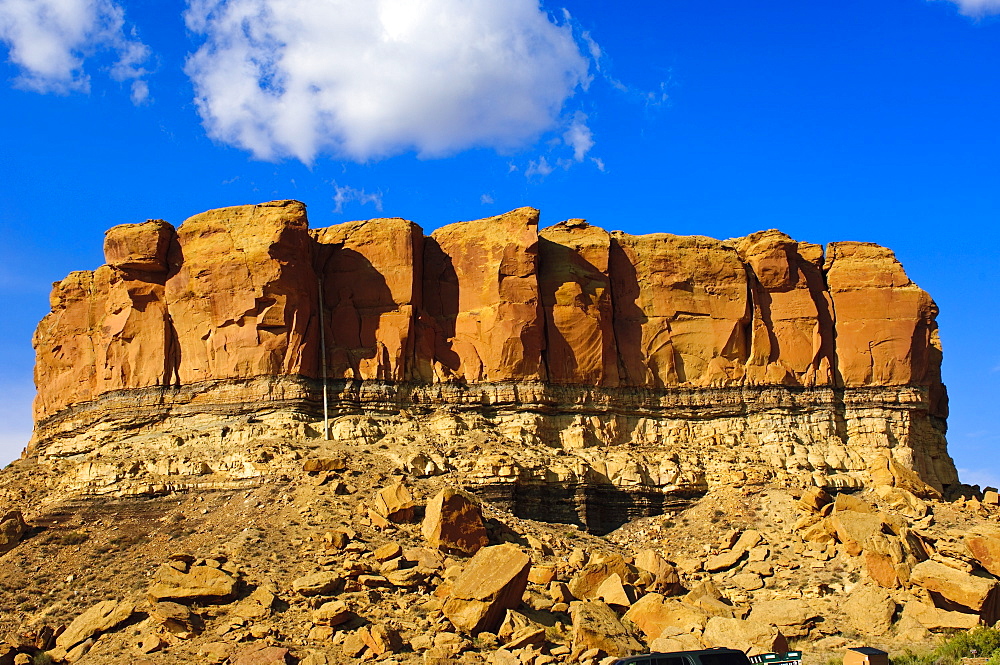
831	120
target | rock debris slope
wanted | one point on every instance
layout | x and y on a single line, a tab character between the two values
654	365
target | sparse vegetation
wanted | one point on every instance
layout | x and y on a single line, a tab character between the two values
977	643
73	538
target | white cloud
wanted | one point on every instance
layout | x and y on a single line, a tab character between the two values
49	40
364	79
579	137
345	194
540	168
978	7
140	92
486	199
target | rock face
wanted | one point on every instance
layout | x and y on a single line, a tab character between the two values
661	363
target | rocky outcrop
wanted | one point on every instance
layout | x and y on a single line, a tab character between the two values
662	364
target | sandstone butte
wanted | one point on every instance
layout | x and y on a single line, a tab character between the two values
661	363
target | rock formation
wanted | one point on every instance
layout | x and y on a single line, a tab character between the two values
659	365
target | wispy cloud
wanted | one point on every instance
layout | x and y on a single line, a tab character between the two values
579	137
978	8
538	168
486	199
366	80
345	194
49	41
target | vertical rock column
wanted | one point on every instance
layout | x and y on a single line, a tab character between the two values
243	298
108	329
791	340
681	310
482	316
371	288
886	328
576	298
134	346
64	346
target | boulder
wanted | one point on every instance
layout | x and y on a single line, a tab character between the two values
665	577
752	637
676	642
98	619
12	529
748	581
491	583
986	550
258	604
453	522
381	639
850	502
176	619
886	470
332	613
953	589
792	617
320	583
199	583
584	584
935	619
542	575
260	654
869	610
395	503
321	464
654	613
881	569
902	501
724	560
515	622
613	592
747	540
139	246
596	626
854	528
388	552
814	498
707	597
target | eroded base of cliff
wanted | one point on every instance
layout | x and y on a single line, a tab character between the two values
589	456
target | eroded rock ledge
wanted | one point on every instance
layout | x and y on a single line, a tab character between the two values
680	361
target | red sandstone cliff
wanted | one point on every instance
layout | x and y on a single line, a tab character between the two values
234	293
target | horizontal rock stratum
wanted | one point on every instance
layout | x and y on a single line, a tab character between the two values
756	355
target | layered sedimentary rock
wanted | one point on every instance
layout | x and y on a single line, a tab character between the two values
662	364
